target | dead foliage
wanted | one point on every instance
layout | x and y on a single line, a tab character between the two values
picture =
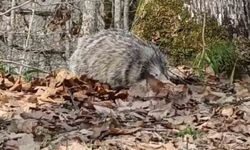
61	15
62	112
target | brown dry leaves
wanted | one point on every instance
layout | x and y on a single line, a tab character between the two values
62	111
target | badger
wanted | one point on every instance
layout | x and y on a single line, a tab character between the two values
118	58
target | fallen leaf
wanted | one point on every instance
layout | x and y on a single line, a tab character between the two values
3	98
73	145
63	75
26	86
27	125
139	90
97	131
170	146
104	110
121	131
7	83
227	111
161	111
16	86
27	143
80	95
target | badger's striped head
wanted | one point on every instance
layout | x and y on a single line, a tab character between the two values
156	66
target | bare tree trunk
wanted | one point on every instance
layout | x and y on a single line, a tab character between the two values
27	41
234	14
100	14
113	14
11	25
117	16
67	41
92	16
89	24
126	15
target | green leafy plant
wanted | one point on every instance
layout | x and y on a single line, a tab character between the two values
8	69
189	131
30	74
220	56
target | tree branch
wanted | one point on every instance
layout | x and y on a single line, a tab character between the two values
25	3
37	12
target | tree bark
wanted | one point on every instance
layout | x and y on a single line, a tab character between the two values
26	56
89	25
117	17
231	13
100	14
92	16
126	15
67	41
11	27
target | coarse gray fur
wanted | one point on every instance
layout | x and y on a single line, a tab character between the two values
118	58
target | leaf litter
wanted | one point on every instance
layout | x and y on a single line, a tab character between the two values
61	111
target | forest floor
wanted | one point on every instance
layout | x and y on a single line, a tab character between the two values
63	112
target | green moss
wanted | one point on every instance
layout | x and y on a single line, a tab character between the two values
175	29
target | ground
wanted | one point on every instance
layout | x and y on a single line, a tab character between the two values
63	112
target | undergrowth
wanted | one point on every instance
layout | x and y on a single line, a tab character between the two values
8	69
189	131
220	56
28	74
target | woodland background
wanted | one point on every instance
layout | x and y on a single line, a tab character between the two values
44	33
59	111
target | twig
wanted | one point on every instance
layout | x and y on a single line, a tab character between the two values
27	11
20	64
72	99
25	3
234	103
187	143
156	130
233	73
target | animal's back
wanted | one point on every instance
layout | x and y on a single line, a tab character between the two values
111	56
